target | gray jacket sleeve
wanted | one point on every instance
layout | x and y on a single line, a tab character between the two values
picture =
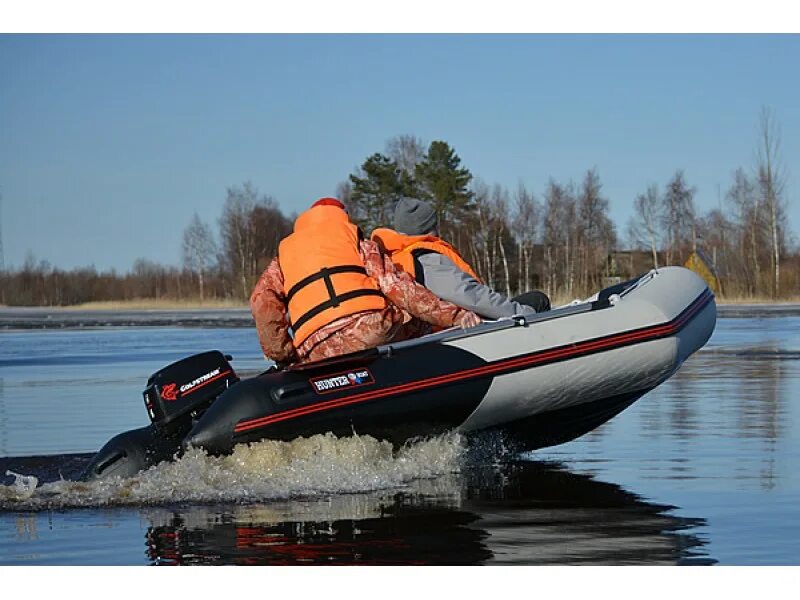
450	283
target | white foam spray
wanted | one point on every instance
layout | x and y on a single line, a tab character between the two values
23	487
267	470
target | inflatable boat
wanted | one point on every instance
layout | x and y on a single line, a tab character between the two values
542	380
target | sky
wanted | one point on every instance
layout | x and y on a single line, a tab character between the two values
110	143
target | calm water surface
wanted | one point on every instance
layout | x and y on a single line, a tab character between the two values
703	470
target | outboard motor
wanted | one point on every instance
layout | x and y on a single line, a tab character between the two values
175	398
179	394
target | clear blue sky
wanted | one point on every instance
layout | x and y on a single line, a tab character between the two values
108	144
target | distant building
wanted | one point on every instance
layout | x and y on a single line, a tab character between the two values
625	264
700	264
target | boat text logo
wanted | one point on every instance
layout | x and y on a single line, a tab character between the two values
188	387
331	383
170	391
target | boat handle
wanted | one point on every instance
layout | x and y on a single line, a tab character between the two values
290	391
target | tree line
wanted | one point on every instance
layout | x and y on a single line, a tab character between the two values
560	239
221	266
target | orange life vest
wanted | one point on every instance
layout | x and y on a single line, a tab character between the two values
323	275
404	248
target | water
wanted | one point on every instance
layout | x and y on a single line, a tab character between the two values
700	471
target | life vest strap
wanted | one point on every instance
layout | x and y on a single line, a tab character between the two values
419	271
324	273
333	302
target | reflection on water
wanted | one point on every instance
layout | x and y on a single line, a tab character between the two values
3	419
519	512
524	513
747	390
721	403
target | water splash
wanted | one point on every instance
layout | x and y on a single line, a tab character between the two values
267	470
23	487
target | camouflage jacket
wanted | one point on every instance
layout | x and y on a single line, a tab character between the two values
411	310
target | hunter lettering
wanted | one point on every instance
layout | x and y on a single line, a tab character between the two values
351	379
333	382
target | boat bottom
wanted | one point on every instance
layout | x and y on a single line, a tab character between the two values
563	425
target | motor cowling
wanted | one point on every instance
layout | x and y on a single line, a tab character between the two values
181	392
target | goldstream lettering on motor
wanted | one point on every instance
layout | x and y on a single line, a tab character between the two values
188	386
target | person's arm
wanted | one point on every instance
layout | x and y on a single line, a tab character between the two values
268	305
401	289
446	280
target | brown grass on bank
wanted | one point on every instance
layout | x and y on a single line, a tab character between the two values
216	303
221	303
159	304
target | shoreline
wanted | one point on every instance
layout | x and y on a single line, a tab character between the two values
16	318
72	318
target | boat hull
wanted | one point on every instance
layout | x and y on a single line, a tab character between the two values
547	379
541	380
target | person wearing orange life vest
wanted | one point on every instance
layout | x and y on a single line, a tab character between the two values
415	247
338	293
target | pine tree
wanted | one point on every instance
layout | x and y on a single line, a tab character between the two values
375	191
442	181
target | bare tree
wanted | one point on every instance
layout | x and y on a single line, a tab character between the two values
269	226
559	237
199	249
595	232
771	183
344	192
678	215
525	226
751	226
239	235
714	229
499	208
481	239
643	228
407	151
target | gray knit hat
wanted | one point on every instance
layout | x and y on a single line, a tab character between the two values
414	217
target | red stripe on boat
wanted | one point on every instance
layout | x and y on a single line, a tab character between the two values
504	365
